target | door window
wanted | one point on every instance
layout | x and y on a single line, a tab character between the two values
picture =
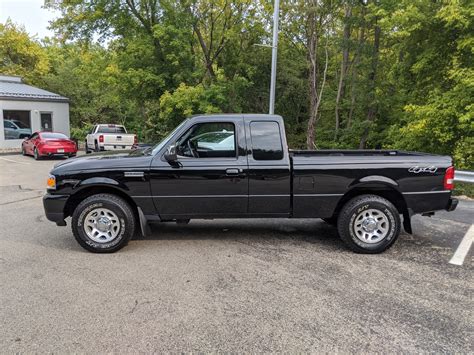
266	140
208	140
46	122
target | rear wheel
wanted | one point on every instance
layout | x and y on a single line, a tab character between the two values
97	149
23	151
369	224
103	223
87	148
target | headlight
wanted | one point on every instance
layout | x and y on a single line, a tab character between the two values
51	182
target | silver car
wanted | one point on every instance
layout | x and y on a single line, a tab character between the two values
15	129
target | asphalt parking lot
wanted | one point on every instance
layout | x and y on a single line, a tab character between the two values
227	285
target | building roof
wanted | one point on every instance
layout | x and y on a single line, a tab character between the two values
13	88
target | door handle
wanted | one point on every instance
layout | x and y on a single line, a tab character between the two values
233	171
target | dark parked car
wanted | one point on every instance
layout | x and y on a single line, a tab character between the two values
238	166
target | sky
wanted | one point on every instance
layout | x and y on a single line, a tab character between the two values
28	13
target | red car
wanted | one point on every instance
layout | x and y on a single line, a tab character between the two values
41	144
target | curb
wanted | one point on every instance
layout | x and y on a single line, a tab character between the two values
11	153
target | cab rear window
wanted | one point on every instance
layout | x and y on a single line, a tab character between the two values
111	129
266	140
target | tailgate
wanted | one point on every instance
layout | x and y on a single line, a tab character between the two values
119	139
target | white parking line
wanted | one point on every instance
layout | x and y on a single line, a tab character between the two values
463	248
14	161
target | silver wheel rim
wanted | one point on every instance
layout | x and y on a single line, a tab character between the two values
101	225
371	226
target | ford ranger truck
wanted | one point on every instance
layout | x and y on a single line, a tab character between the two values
239	166
109	137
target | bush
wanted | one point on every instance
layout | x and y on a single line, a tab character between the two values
464	154
79	133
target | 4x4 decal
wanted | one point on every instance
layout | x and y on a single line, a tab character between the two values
423	169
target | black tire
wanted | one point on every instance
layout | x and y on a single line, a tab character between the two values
23	152
360	209
105	201
36	154
331	221
87	148
97	149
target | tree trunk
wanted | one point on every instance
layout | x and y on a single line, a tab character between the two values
315	93
355	67
372	107
344	65
312	44
207	55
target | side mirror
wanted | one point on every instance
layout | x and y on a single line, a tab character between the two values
171	156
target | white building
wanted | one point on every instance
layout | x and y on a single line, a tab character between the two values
25	109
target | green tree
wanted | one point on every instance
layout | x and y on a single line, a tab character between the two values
21	55
350	73
437	75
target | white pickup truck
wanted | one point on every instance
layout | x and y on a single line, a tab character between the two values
109	137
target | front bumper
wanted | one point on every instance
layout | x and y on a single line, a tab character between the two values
452	204
54	208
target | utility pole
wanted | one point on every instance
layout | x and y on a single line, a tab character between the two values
276	15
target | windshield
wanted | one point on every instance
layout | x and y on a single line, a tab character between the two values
20	124
160	145
53	136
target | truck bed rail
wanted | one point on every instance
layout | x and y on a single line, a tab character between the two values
355	152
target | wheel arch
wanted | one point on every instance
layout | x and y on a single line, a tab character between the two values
74	200
386	191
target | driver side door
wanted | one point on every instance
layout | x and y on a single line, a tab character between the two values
30	143
210	177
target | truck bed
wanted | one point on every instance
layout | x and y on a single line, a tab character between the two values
322	177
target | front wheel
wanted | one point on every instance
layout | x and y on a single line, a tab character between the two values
103	223
369	224
36	154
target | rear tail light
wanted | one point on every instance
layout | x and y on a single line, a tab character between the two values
135	139
449	178
101	138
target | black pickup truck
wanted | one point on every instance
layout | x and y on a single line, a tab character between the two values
239	166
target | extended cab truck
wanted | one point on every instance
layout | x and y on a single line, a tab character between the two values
238	166
109	137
